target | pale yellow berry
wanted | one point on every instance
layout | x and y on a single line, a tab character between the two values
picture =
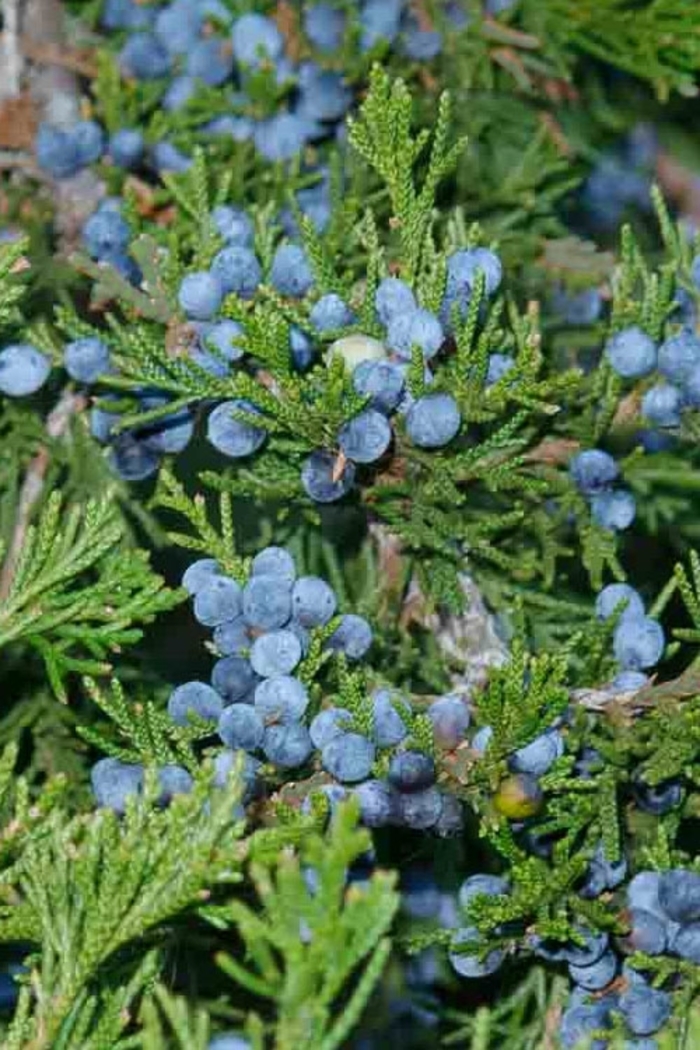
356	348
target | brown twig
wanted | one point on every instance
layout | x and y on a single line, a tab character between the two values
32	488
77	59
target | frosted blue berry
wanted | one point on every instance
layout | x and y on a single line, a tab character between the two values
647	932
611	598
411	771
233	678
450	717
240	726
679	895
167	157
321	479
348	757
125	14
638	643
233	225
631	353
313	601
643	892
179	92
419	328
419	810
421	44
602	874
144	57
629	681
281	699
328	724
287	746
353	636
291	274
256	39
200	295
274	561
210	60
389	727
56	152
614	510
199	574
482	739
132	460
661	405
499	365
366	437
275	653
86	359
578	1022
679	356
177	25
380	20
324	25
228	1041
113	782
593	471
127	147
433	420
105	233
324	96
393	299
598	976
238	270
377	803
281	137
449	823
267	601
233	436
233	638
170	434
382	381
301	348
463	266
481	884
23	370
224	336
686	943
173	780
473	965
218	600
594	943
645	1009
330	313
194	698
89	141
537	757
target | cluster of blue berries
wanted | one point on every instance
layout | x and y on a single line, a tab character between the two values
662	916
380	370
262	706
633	354
594	472
186	45
638	639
